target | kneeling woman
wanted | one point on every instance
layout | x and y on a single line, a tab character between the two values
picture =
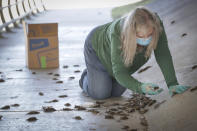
116	50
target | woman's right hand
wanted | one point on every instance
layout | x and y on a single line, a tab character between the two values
151	89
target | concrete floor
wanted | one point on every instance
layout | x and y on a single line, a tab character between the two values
22	87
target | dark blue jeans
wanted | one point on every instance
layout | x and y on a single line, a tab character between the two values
97	83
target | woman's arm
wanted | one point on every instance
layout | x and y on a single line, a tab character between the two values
164	59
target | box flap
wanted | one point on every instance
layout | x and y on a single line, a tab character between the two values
26	39
42	30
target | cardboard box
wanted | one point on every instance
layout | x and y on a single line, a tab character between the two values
42	50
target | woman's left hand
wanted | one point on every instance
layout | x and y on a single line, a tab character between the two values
177	89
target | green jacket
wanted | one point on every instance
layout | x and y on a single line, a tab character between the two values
106	43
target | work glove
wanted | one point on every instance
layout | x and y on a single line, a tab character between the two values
150	89
177	89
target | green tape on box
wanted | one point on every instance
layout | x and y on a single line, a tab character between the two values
43	62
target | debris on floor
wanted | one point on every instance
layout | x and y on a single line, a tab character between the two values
41	94
194	67
124	118
50	73
158	104
32	119
95	105
143	111
79	108
156	88
125	127
67	109
52	101
34	73
19	70
109	117
151	102
193	89
56	74
174	93
172	22
77	118
59	82
33	113
76	65
67	104
144	69
15	105
2	80
55	79
5	107
48	109
184	34
94	111
137	102
13	97
77	71
71	78
62	96
65	66
100	102
143	121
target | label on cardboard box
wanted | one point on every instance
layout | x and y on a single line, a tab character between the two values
35	44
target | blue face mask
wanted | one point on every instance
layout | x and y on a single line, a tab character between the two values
143	41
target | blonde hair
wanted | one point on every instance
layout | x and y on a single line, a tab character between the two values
140	17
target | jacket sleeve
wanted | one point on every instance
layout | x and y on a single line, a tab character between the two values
164	59
122	73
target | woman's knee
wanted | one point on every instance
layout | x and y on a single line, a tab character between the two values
99	96
99	84
99	92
